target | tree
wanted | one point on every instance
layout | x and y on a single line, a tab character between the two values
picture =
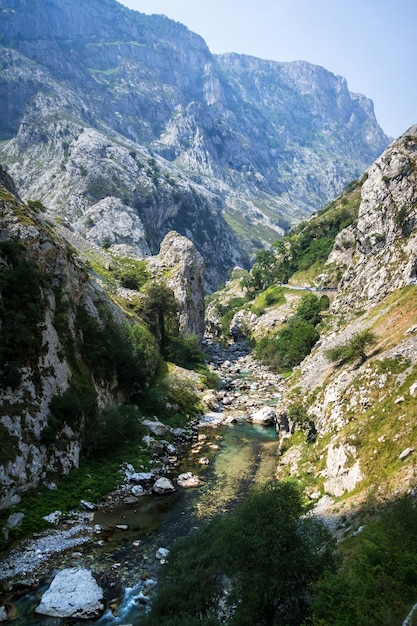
268	555
161	309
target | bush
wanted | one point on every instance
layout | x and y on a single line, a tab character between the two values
354	349
22	306
114	427
289	346
267	553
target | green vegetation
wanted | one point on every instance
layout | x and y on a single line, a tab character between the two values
305	246
287	348
22	306
376	581
131	273
260	563
354	349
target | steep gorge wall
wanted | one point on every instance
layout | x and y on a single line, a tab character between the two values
64	352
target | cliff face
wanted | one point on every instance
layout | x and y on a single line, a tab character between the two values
103	102
184	266
363	407
385	237
66	352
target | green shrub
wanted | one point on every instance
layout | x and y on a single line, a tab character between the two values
354	349
184	351
289	346
131	273
267	551
22	306
113	428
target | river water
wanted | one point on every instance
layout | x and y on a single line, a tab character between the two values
239	455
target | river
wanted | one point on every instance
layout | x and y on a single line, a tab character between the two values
239	455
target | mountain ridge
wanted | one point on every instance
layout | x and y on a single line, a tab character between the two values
250	166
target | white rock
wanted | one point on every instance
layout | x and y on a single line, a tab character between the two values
265	416
53	518
188	479
155	427
405	453
413	390
161	553
72	593
141	477
15	519
163	485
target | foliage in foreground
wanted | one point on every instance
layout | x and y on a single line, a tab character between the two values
376	582
259	563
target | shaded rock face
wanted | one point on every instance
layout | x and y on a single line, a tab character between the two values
236	150
185	267
111	222
383	246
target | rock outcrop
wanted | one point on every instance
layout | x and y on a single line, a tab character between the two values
45	294
383	246
183	267
362	406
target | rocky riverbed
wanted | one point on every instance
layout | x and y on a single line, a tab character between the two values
248	392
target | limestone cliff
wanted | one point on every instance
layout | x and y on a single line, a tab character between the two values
183	267
67	350
228	150
363	407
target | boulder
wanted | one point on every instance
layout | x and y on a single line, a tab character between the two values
265	416
163	485
161	553
72	593
155	427
141	478
187	480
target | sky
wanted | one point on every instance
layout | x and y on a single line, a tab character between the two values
371	43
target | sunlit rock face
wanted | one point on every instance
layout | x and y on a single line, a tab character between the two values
228	150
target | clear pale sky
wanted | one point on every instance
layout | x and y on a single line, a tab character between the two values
372	43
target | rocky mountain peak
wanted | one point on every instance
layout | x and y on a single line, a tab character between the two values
235	151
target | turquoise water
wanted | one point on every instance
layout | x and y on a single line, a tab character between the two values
246	455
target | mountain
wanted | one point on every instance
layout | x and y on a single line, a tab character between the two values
105	107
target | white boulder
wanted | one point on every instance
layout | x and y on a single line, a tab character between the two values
163	485
72	593
265	416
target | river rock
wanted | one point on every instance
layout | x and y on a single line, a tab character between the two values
163	485
187	479
141	478
161	554
3	614
211	419
155	427
265	416
72	593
